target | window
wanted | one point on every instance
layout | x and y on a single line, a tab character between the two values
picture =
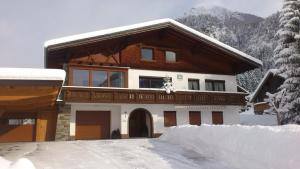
80	77
217	117
100	79
170	56
14	122
147	54
170	118
116	79
151	82
215	85
195	117
194	84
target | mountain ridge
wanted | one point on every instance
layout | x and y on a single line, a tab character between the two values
251	34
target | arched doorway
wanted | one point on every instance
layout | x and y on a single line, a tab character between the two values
140	123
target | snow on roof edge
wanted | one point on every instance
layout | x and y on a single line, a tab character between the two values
262	82
146	24
32	74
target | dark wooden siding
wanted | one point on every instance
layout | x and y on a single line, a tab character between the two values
193	56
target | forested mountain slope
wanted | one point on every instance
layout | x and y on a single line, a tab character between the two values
249	33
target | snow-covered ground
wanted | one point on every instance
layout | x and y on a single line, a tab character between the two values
249	118
110	154
244	147
182	147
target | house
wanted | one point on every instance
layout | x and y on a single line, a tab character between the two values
115	78
269	84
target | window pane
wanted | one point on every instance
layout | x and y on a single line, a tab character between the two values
147	54
99	78
157	83
170	56
151	82
116	79
219	86
14	122
209	85
144	82
80	77
193	84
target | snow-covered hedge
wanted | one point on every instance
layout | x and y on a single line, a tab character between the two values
245	147
22	163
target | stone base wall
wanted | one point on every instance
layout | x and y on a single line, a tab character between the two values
63	124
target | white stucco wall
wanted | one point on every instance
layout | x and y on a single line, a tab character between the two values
120	114
181	84
230	114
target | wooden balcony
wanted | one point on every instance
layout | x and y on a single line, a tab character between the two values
134	96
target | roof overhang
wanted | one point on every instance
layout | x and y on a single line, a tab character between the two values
97	36
29	90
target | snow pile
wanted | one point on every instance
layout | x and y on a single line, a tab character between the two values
22	163
245	147
253	119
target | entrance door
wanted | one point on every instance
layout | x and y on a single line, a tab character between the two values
92	125
140	124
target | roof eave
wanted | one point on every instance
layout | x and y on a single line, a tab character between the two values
255	63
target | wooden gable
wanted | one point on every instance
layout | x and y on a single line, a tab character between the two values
193	55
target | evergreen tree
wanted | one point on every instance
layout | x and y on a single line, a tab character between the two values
286	102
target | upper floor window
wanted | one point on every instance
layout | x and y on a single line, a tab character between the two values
147	54
170	56
215	85
80	77
151	82
97	78
194	84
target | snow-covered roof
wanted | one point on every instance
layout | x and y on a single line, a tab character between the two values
262	82
32	74
143	27
243	89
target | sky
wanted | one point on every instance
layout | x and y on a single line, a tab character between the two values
26	25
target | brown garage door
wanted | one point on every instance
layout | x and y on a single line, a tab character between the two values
92	125
195	117
17	127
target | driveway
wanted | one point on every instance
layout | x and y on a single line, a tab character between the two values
109	154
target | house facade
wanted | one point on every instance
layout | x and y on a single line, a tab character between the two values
115	80
269	84
125	82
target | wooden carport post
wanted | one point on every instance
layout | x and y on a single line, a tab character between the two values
46	125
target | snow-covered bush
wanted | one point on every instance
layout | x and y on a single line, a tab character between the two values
245	147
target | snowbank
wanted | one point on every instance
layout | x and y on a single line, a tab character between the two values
264	120
249	118
22	163
244	147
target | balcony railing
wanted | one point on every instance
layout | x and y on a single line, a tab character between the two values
135	96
